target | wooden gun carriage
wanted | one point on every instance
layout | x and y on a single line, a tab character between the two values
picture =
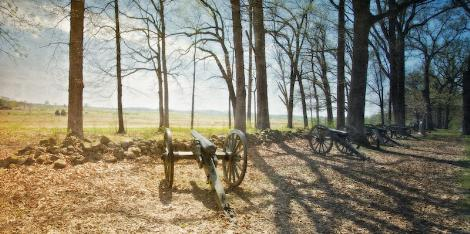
399	132
322	138
378	136
233	157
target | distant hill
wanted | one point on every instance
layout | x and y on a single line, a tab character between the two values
8	103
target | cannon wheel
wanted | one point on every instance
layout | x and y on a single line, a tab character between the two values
346	150
386	139
319	139
168	158
234	165
373	138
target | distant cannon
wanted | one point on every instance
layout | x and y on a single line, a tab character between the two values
378	136
321	139
400	132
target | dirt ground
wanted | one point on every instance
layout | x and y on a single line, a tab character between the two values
287	189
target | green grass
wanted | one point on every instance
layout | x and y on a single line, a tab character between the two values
444	134
40	122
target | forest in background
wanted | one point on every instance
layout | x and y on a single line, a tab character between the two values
331	58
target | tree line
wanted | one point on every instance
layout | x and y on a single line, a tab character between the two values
304	56
408	57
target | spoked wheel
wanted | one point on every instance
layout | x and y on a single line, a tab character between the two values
319	139
373	138
345	149
385	137
409	131
234	165
399	135
168	158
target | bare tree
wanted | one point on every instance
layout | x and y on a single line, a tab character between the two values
394	30
319	48
250	59
10	17
466	99
211	35
315	93
363	20
194	82
118	68
149	57
449	68
340	98
240	108
430	41
377	87
288	33
262	113
75	107
161	11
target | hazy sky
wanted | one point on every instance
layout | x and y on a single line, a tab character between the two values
43	74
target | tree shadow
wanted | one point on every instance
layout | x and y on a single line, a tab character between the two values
206	196
460	163
341	205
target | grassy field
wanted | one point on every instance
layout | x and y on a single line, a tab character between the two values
41	120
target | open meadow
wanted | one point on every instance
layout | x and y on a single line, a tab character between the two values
21	125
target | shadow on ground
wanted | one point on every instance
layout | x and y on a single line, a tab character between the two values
365	195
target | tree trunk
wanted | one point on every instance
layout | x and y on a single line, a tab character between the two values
310	107
315	95
250	61
164	68
75	108
290	101
447	117
362	24
118	69
382	113
240	108
340	99
254	107
393	54
400	107
229	114
161	107
302	97
397	75
439	120
194	83
326	88
158	70
262	112
426	94
466	100
389	114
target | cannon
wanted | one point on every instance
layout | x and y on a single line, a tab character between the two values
322	138
399	132
233	156
378	136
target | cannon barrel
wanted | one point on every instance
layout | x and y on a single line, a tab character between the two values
207	146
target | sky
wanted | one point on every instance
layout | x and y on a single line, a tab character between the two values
42	74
